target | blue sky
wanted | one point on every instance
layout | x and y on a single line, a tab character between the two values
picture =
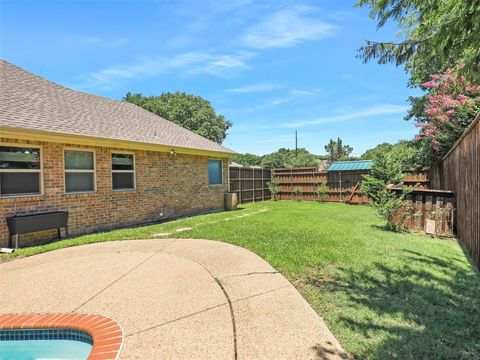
270	67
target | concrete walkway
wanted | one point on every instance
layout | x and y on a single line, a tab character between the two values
175	299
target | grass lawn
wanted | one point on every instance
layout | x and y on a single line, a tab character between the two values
384	295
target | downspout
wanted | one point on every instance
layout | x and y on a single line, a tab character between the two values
228	176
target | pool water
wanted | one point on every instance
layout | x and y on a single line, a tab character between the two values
44	350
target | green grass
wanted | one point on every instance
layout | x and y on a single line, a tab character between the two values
384	295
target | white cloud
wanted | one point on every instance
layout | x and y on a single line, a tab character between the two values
97	41
285	138
188	63
293	95
376	110
287	28
277	139
254	88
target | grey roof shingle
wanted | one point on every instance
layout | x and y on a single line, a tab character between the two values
28	101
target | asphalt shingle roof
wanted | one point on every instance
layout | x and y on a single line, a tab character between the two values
28	101
350	165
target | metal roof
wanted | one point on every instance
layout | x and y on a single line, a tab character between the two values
350	165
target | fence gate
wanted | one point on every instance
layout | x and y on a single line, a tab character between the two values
250	183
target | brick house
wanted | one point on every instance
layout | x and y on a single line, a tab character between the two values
108	163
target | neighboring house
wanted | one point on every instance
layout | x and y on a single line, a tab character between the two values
108	163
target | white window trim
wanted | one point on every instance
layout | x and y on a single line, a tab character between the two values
221	170
24	145
134	171
94	171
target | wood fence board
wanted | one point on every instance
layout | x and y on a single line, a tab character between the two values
249	183
459	171
341	187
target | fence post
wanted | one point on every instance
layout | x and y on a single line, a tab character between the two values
263	188
253	181
291	181
341	192
240	181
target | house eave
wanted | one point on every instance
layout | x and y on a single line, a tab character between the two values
76	139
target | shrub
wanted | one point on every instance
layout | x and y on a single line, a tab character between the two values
387	170
297	191
321	192
273	187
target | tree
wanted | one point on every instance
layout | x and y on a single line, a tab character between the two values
450	106
434	35
386	170
337	151
248	159
276	159
372	153
406	152
192	112
286	158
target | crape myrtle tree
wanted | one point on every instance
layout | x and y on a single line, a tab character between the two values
443	114
189	111
439	45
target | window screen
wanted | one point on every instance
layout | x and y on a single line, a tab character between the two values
123	172
20	170
215	172
79	171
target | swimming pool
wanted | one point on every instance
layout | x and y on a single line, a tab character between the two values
44	344
44	350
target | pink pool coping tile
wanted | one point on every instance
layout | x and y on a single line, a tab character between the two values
106	333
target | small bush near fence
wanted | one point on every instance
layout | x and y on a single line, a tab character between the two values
321	192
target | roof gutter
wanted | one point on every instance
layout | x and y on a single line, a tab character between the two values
66	138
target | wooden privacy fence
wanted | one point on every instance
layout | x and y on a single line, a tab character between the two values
431	211
421	179
342	186
250	183
459	171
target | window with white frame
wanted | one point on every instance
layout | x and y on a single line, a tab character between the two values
20	170
123	171
79	171
215	172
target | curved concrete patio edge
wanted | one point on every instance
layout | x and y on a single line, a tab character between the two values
175	298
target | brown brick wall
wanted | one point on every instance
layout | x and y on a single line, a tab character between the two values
171	185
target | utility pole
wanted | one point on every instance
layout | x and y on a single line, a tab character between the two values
296	144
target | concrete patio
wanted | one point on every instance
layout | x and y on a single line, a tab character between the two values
175	299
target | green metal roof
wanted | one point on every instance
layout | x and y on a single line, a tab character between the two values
350	165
